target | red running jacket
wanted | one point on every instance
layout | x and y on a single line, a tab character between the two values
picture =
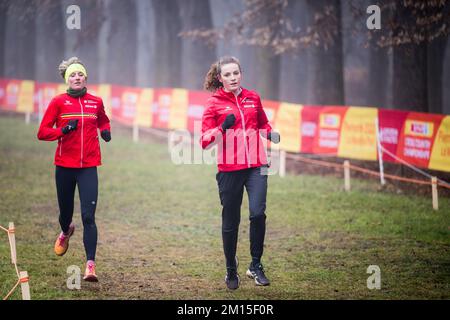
79	148
241	147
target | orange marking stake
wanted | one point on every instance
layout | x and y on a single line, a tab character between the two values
24	285
12	242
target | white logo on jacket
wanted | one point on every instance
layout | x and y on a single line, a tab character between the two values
89	106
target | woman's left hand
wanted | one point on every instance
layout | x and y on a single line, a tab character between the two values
106	135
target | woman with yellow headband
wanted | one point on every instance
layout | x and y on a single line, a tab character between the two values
74	119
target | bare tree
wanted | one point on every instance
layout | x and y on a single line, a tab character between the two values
49	35
168	59
19	39
195	55
415	32
3	10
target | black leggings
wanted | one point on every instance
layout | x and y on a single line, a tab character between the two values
87	181
231	190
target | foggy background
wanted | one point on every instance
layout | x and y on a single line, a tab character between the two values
138	43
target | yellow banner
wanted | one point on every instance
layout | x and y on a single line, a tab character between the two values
62	88
440	155
144	115
288	120
104	92
358	134
179	109
26	92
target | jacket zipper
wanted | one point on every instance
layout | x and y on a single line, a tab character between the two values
60	146
82	125
245	132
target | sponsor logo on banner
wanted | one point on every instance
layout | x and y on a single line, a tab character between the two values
115	102
389	135
330	121
309	129
165	100
419	128
129	104
195	110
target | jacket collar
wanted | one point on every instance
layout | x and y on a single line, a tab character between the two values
221	93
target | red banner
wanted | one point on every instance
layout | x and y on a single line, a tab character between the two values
420	139
320	128
417	138
3	84
390	124
161	108
124	103
197	104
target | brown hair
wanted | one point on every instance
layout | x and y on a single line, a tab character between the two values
212	82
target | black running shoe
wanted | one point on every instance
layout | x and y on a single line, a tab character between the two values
232	279
257	273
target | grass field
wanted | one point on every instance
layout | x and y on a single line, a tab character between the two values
160	238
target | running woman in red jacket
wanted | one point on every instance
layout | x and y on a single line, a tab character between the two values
74	118
234	119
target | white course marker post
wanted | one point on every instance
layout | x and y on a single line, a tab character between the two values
27	117
434	193
25	285
380	154
12	242
135	132
282	156
347	175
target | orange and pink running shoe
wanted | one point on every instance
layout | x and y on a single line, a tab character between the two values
62	242
89	273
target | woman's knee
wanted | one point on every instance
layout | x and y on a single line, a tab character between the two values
88	220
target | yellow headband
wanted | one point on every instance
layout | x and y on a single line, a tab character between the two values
74	67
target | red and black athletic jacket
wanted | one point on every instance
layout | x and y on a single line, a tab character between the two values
247	149
79	148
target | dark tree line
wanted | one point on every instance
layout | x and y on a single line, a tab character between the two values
300	51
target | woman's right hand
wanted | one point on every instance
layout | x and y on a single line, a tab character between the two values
229	122
72	125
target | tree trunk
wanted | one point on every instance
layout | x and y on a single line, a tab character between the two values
20	40
294	66
446	80
146	49
195	55
410	78
326	85
268	74
435	70
3	19
168	59
49	42
121	43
